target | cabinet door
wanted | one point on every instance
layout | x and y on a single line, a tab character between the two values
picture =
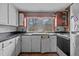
16	17
12	15
3	13
9	47
53	43
21	19
45	45
36	43
26	43
0	49
18	45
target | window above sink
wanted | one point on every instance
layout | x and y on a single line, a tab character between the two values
40	24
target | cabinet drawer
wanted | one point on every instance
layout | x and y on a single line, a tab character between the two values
35	37
53	37
8	42
25	36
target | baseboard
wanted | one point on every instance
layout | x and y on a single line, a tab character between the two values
38	53
19	54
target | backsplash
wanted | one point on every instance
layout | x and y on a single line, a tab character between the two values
4	29
60	28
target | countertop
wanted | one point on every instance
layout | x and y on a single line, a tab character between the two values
51	34
8	35
30	34
64	35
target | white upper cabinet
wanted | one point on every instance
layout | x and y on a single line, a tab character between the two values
17	18
3	13
12	15
21	19
8	14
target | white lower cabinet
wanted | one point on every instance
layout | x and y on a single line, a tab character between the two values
53	43
1	49
12	46
9	47
45	45
31	43
26	43
36	43
17	45
49	44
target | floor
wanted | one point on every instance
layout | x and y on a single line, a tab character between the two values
38	54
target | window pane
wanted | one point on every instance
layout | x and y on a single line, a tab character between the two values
40	24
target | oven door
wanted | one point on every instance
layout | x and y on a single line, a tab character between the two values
64	45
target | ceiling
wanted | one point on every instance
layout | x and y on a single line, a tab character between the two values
41	7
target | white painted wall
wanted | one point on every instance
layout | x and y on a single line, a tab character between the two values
74	11
7	29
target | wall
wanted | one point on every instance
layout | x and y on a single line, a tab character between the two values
60	21
74	11
40	14
74	22
7	29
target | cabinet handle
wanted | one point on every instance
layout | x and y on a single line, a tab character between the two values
48	36
2	45
41	36
10	42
